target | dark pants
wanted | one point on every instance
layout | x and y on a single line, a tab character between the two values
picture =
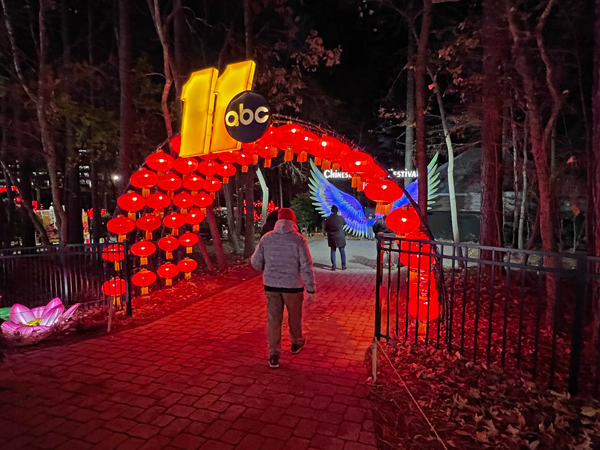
342	254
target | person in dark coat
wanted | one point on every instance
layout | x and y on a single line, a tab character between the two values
380	227
270	222
336	236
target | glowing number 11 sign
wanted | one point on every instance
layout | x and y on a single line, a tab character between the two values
205	98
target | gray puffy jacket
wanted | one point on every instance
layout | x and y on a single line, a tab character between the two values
284	258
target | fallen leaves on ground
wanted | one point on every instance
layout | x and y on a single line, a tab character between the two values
474	407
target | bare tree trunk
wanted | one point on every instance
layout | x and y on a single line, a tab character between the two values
126	124
230	219
216	235
491	156
179	27
594	175
95	190
524	185
205	256
421	106
249	235
43	108
409	137
72	188
540	134
515	152
239	220
451	190
168	66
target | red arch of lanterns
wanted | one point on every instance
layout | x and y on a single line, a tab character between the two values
173	193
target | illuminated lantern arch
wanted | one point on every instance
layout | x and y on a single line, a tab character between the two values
171	193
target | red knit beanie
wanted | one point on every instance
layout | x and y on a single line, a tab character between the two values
287	214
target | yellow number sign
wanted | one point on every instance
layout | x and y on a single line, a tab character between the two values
205	98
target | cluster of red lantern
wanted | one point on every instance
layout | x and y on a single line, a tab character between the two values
190	185
423	297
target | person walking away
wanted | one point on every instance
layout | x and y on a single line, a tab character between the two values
270	222
284	258
336	236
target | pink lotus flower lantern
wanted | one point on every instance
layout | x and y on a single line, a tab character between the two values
25	321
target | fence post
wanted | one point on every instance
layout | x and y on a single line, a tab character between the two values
578	313
62	256
378	289
127	273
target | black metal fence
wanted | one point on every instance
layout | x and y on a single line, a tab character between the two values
525	310
74	273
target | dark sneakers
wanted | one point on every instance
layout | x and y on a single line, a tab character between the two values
344	268
297	347
274	361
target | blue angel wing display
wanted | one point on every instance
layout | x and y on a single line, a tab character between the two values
413	188
325	195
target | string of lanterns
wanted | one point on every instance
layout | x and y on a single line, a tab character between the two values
173	193
423	296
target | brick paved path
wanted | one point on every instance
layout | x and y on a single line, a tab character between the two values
199	379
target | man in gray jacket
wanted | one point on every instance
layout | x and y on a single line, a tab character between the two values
284	258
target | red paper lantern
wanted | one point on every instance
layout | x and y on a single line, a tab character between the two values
131	202
169	182
149	223
331	148
168	271
418	252
289	136
226	171
186	266
175	143
422	308
115	287
245	159
144	179
209	167
168	244
185	165
174	221
183	201
143	249
158	201
143	279
403	220
203	200
120	225
228	157
384	192
194	217
188	240
114	254
305	145
373	172
212	185
160	161
270	138
193	182
357	164
268	152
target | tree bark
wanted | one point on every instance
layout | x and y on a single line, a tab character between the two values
249	235
409	136
491	156
126	109
71	177
594	179
539	134
216	235
523	187
421	109
230	219
205	256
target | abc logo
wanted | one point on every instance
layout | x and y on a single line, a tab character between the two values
247	117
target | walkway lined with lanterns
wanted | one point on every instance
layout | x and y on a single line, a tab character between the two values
200	379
